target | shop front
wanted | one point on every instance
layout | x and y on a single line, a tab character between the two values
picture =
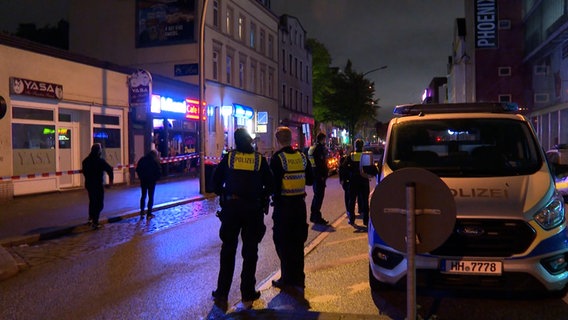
175	125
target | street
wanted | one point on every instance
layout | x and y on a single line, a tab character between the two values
167	267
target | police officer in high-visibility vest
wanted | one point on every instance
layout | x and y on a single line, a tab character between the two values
292	172
318	158
243	182
358	186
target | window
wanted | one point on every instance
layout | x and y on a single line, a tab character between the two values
32	114
504	98
504	71
504	24
270	46
229	21
241	28
229	68
291	97
262	80
301	68
241	74
216	13
283	60
107	137
284	95
33	148
104	119
541	97
252	35
215	67
540	70
253	76
262	42
296	67
290	63
271	83
33	136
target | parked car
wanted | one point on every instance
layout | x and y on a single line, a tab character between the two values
510	228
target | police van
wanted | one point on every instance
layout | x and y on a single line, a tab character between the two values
510	228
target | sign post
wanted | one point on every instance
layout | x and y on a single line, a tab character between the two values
413	211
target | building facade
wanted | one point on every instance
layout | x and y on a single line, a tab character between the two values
295	94
53	107
487	54
240	56
546	59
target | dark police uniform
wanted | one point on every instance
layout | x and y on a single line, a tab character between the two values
318	158
242	180
358	189
292	173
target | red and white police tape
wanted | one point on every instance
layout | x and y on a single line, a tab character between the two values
119	167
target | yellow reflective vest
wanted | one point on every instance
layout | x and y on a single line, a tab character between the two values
244	161
294	179
311	155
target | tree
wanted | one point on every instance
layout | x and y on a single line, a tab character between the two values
350	101
53	36
321	81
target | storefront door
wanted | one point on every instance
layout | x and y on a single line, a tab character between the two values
69	156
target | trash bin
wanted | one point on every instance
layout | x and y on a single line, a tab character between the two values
209	169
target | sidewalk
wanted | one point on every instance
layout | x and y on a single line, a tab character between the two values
27	219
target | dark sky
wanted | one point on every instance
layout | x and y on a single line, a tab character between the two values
412	37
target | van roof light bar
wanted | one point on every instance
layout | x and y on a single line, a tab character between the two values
490	107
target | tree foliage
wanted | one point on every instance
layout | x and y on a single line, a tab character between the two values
57	36
321	80
350	102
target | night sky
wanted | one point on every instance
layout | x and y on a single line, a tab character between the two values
412	37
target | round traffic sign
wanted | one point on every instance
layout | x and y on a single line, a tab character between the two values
435	209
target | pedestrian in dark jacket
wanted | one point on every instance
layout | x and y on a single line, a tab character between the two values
149	171
93	168
243	182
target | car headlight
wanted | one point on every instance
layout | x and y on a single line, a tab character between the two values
552	215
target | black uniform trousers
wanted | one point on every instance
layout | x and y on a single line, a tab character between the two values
96	202
359	192
244	217
317	200
147	188
290	232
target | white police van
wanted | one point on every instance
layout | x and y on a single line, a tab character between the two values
510	230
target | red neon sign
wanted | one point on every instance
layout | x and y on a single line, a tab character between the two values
192	109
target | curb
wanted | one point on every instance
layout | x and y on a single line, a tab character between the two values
59	232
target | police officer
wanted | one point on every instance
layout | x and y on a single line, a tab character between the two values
318	158
292	173
358	186
244	182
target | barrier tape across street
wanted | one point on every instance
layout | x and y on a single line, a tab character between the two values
119	167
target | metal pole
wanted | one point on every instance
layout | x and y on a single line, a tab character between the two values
202	114
373	70
410	252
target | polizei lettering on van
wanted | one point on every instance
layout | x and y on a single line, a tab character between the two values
480	193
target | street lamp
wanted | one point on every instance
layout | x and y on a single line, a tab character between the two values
373	70
202	98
